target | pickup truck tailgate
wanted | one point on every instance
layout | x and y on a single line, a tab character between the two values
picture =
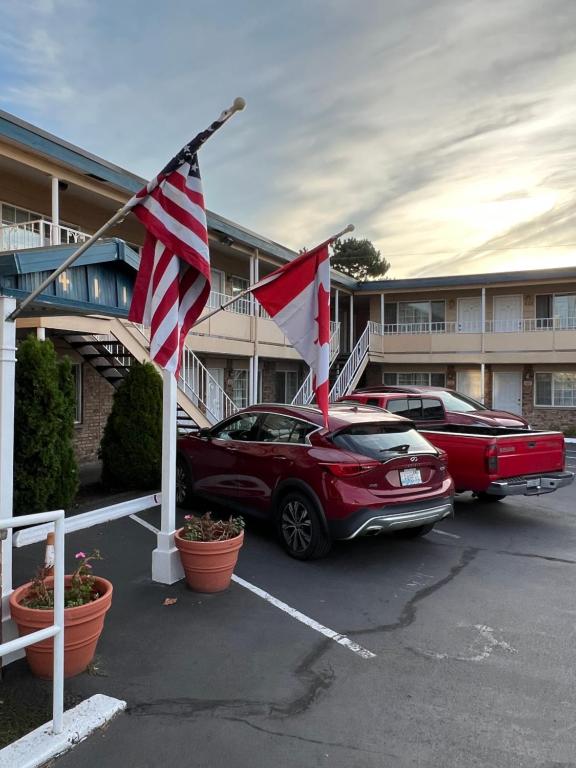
530	454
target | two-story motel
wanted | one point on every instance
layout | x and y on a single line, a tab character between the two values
508	339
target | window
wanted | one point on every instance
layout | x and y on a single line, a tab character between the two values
237	285
414	378
285	386
555	389
382	441
556	311
240	388
399	407
421	316
432	409
283	429
241	427
390	313
77	376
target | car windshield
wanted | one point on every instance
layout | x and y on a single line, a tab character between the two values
381	441
454	401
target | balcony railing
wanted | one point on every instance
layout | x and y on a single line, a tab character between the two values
38	234
526	325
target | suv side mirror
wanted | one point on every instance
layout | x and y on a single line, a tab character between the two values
204	433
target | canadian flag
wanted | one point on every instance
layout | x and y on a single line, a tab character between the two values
297	298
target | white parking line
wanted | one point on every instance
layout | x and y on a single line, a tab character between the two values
144	523
445	533
336	636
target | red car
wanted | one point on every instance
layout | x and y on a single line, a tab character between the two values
367	473
426	404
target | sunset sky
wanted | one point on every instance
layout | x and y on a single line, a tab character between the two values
443	129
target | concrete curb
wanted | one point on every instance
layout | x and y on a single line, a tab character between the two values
37	748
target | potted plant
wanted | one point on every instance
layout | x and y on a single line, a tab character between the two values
209	550
87	598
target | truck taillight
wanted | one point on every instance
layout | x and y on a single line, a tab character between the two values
491	457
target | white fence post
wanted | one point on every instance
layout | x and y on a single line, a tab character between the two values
166	566
56	630
7	379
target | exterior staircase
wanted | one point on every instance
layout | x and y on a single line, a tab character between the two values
353	368
305	394
201	401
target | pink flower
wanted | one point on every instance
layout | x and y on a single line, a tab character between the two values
187	517
78	555
87	565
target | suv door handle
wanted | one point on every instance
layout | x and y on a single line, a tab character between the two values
281	458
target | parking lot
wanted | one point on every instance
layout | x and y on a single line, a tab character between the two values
468	636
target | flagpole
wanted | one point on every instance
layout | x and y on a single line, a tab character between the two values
246	291
238	105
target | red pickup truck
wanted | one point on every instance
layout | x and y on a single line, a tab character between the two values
491	461
495	462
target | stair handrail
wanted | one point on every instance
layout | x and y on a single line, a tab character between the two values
306	393
350	369
194	379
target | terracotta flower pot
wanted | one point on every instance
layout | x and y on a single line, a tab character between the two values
208	565
82	628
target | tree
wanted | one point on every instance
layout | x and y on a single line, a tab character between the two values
45	469
131	447
358	258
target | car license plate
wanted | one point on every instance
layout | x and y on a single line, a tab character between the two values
533	483
410	477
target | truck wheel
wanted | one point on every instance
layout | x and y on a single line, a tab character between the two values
184	484
414	533
300	528
489	498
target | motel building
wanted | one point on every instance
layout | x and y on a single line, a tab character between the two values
506	339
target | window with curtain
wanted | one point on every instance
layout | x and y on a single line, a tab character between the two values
240	387
414	378
555	389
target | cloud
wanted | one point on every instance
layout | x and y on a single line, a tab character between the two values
443	129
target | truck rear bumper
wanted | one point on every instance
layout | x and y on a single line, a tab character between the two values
369	522
530	485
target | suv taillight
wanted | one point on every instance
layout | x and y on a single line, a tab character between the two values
349	469
491	458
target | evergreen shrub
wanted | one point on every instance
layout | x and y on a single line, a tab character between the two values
131	448
45	468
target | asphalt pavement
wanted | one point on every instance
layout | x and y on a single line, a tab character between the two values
472	630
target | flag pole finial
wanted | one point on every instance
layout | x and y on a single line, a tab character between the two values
238	105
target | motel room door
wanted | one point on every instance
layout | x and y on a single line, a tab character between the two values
469	315
507	394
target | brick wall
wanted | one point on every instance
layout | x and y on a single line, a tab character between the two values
97	395
543	418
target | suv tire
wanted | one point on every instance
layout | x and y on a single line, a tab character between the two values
184	484
300	529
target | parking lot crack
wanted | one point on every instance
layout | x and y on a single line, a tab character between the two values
409	611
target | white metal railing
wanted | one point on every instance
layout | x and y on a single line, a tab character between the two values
38	234
203	389
55	630
525	325
305	394
356	360
242	306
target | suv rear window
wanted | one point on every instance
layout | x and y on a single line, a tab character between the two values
379	441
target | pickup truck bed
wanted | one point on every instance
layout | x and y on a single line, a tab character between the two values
498	462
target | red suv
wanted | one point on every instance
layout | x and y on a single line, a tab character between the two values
433	404
367	473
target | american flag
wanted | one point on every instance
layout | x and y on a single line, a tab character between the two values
173	281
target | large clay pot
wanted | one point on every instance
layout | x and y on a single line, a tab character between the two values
208	565
82	628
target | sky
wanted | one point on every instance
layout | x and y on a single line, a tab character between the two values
442	129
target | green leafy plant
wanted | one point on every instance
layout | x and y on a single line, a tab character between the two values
131	448
358	258
45	469
205	529
80	591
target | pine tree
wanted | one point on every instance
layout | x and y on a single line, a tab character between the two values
131	448
45	470
358	258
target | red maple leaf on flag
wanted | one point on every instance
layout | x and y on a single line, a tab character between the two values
323	316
